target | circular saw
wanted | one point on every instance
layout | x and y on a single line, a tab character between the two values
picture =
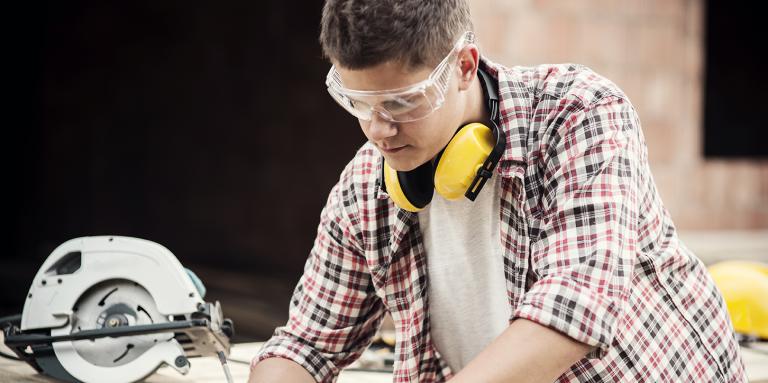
115	309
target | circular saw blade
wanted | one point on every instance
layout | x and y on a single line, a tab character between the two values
115	303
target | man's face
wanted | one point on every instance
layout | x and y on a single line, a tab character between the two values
406	145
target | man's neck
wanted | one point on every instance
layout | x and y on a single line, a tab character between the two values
477	105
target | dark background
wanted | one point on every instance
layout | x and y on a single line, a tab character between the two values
203	126
734	98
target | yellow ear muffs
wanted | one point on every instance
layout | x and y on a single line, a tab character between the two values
410	190
457	167
462	168
460	161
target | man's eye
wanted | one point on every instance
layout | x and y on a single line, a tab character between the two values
389	105
357	104
401	103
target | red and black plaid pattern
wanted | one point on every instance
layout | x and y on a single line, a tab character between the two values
589	251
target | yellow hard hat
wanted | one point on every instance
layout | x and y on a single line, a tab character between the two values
744	286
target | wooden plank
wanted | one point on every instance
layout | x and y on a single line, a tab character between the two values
209	370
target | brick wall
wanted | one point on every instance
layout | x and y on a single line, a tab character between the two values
653	49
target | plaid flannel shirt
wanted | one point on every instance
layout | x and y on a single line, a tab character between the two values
589	251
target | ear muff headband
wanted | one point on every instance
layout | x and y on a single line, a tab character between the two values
484	173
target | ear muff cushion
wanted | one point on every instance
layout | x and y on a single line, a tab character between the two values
461	159
410	190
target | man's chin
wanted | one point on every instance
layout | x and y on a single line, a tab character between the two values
403	164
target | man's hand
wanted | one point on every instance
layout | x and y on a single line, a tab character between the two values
525	352
274	370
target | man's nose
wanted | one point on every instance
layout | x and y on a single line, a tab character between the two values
380	128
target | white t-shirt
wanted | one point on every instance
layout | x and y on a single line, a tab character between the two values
468	304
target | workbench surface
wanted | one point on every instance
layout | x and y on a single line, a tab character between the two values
208	370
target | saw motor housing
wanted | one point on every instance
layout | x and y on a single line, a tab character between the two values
114	309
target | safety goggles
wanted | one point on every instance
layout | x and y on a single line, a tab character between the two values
406	104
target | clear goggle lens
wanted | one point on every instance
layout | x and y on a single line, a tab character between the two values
399	105
402	108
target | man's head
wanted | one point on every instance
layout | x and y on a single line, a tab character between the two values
382	45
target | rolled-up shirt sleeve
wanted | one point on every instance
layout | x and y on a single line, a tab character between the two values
584	252
334	311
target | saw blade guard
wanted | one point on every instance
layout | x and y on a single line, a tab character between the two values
80	263
107	282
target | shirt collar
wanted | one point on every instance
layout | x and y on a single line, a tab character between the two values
514	114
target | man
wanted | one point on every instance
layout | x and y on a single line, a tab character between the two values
566	266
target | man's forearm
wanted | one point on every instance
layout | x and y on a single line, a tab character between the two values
524	352
279	370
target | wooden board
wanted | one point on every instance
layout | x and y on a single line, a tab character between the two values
208	370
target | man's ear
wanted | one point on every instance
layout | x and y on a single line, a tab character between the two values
468	61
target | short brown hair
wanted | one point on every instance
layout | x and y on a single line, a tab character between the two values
363	33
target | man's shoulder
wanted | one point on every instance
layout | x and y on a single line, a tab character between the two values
575	82
537	100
